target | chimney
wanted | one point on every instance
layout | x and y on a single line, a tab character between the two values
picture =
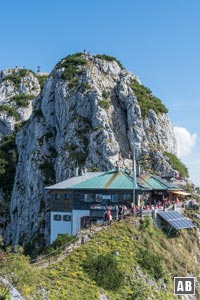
82	171
76	171
117	167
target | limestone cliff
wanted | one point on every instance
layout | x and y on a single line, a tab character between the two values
17	89
88	115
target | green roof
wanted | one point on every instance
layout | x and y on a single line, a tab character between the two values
116	179
154	182
109	180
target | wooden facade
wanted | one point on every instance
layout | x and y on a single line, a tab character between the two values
68	200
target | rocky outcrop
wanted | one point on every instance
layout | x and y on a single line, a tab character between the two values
87	115
18	87
12	291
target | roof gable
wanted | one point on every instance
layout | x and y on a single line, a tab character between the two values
68	183
115	179
153	182
112	179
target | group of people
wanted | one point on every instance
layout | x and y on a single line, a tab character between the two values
157	204
120	212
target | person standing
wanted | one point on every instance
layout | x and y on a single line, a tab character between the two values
120	213
108	216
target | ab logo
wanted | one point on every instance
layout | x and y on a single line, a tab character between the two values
184	285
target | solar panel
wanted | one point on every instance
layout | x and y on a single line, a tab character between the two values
169	215
181	224
175	219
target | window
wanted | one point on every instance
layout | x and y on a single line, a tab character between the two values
99	197
106	197
115	198
66	218
57	196
127	197
89	197
57	217
67	196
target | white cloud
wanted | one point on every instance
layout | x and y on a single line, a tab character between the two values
185	141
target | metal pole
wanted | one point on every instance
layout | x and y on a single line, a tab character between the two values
134	180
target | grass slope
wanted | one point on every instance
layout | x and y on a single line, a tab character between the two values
143	253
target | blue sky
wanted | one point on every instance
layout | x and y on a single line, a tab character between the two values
159	41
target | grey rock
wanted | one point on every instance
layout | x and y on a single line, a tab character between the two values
27	85
14	294
93	124
102	297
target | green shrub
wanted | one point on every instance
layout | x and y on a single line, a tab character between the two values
17	76
139	289
79	156
151	263
105	270
60	242
146	100
70	58
105	103
53	152
45	138
94	169
177	164
85	86
22	100
145	223
73	83
42	80
17	269
8	162
4	292
14	78
48	172
35	248
105	94
109	58
11	111
24	72
73	67
58	245
146	162
38	113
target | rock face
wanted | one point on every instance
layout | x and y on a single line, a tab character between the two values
87	115
13	292
17	89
